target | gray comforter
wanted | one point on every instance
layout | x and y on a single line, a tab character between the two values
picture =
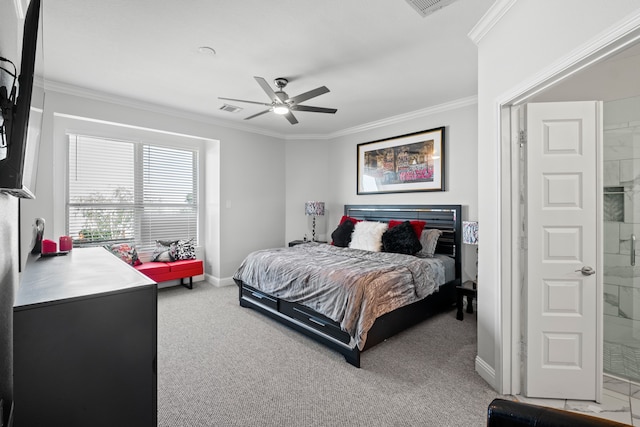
350	286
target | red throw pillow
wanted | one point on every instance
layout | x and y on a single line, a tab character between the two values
345	218
418	226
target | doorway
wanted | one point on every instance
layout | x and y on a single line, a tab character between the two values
621	216
614	63
563	285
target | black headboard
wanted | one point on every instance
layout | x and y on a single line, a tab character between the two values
447	218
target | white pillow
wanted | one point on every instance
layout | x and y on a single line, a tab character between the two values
367	235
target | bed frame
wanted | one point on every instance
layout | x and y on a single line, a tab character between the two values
324	330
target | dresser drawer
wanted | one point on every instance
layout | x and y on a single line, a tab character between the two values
260	297
314	320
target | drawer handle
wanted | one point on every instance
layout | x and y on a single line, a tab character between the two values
317	322
259	296
311	319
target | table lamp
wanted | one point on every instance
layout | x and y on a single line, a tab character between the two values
314	209
470	237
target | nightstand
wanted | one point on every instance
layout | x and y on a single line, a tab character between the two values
468	288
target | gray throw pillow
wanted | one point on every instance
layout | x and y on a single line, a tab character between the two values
429	239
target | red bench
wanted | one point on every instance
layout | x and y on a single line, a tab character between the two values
163	271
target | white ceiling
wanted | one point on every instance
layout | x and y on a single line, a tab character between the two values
379	58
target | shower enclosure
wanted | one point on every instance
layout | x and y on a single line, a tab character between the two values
621	205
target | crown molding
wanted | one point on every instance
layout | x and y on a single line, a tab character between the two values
490	19
91	94
20	7
72	90
609	42
425	112
78	131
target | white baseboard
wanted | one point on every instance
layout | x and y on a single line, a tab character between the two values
215	281
219	282
486	372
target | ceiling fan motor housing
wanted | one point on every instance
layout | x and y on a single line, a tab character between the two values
282	104
281	82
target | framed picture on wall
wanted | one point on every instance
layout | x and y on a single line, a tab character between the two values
407	163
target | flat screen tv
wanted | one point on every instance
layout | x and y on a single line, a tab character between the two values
18	161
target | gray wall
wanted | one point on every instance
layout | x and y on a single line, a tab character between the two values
8	222
325	170
8	284
244	188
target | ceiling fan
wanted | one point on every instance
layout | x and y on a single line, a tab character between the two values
281	103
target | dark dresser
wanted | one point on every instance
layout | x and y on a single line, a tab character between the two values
85	341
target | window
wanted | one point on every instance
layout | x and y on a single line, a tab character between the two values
125	191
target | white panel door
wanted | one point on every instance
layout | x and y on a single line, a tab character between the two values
562	333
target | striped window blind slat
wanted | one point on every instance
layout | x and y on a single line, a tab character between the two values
128	191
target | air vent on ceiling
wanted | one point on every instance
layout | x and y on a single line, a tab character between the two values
427	7
230	108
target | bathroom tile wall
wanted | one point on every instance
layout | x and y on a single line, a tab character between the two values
621	173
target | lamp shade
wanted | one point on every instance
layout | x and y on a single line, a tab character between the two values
470	232
314	208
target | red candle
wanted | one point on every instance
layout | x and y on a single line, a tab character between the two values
49	246
65	243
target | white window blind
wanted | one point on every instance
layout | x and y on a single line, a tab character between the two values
124	191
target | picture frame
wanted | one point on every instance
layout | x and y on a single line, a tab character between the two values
408	163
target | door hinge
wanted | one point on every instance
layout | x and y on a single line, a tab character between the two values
522	138
523	242
523	350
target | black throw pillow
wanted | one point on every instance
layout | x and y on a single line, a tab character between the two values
341	236
401	239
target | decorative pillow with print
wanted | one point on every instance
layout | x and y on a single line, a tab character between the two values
185	249
165	251
126	253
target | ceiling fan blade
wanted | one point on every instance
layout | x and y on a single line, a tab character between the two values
265	87
242	100
258	114
314	109
308	95
292	119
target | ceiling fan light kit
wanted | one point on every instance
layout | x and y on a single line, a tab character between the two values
282	104
281	109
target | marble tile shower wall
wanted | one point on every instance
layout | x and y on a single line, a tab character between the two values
621	201
621	205
622	220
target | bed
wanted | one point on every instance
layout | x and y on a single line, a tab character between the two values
351	299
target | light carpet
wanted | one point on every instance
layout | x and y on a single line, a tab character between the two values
220	364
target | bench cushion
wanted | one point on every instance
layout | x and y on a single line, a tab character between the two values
164	271
188	264
153	267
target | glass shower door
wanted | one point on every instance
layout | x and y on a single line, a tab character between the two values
621	214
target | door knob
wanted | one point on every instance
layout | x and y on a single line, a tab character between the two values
587	271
